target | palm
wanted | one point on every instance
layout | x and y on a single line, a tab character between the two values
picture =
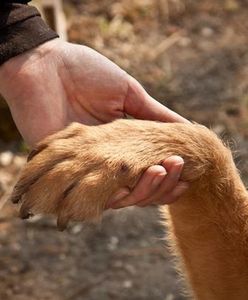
60	83
95	89
56	88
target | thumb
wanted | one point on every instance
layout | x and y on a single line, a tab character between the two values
140	105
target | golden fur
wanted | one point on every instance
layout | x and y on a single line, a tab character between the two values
73	173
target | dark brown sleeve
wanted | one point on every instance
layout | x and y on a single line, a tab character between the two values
21	29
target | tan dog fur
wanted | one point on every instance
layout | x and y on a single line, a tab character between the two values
73	173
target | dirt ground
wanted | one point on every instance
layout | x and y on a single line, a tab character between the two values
192	57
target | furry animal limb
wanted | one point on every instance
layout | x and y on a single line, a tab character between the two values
73	173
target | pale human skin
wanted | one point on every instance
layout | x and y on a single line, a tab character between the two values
57	83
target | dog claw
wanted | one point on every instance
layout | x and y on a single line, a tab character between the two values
62	223
25	215
15	197
25	212
36	151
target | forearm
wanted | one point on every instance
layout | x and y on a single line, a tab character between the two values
21	29
210	237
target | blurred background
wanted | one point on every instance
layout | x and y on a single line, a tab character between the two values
191	55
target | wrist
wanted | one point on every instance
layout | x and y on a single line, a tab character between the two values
25	59
20	69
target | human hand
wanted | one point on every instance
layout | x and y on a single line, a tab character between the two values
58	83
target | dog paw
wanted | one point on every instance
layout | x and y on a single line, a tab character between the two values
69	175
73	173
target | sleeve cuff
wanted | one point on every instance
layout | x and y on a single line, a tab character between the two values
20	33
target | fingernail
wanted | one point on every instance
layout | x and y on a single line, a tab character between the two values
180	160
158	179
176	171
177	160
180	189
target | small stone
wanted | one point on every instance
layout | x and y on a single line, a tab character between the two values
6	158
114	241
184	42
127	284
207	32
77	228
131	269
